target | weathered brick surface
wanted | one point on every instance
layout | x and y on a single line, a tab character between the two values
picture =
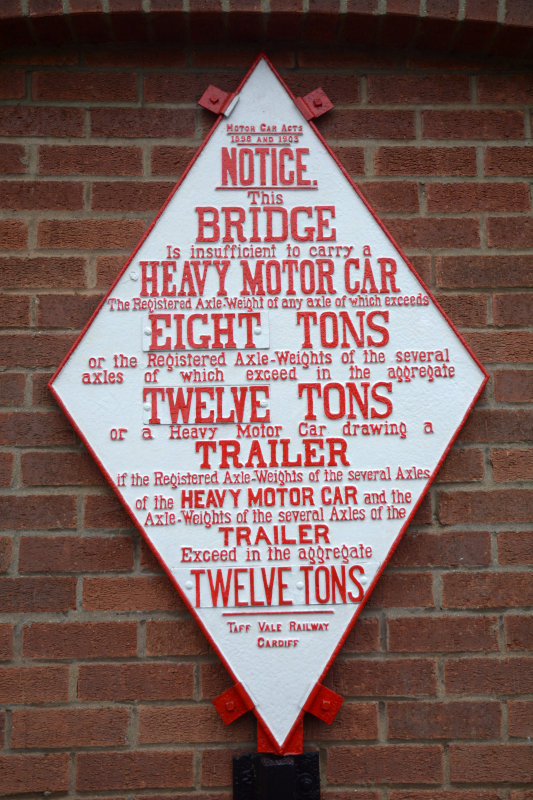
106	681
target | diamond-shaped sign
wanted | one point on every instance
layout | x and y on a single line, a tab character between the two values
270	389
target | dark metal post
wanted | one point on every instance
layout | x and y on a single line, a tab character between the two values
258	776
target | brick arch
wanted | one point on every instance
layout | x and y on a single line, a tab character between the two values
476	27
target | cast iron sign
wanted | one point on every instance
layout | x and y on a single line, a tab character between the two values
270	389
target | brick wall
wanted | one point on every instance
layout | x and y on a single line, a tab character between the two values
105	681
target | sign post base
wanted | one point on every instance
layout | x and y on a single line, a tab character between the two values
257	776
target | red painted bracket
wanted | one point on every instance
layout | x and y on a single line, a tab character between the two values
324	703
232	703
314	104
293	746
215	99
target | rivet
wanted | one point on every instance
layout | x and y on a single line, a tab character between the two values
317	102
230	705
326	705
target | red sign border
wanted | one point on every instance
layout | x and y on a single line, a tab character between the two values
285	747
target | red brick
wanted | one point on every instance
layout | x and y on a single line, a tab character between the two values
505	89
517	161
28	350
366	123
12	159
6	642
107	269
390	678
89	160
214	680
80	640
57	468
465	124
33	429
6	550
519	632
405	89
513	505
443	9
342	88
424	514
465	310
75	554
520	719
500	763
15	311
425	161
519	12
443	634
481	589
169	637
149	769
462	465
170	160
69	727
40	393
489	676
129	196
189	724
38	512
351	158
35	773
451	720
34	684
391	196
13	234
143	122
512	309
217	767
90	234
515	548
147	559
53	195
37	594
137	58
459	197
512	232
172	87
480	272
514	386
65	311
130	594
493	346
355	721
86	87
451	794
190	795
104	511
409	590
512	465
12	385
363	637
28	273
484	425
12	84
527	795
444	549
425	232
40	121
385	764
140	681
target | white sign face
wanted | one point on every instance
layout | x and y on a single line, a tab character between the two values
270	389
